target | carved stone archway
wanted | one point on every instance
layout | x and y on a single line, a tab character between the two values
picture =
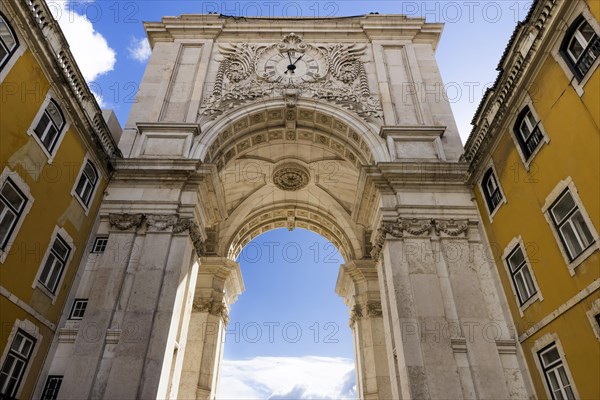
219	148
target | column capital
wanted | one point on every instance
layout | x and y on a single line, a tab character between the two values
353	274
219	278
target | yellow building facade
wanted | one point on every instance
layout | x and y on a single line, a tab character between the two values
55	152
535	170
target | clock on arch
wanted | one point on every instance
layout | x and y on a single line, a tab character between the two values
291	62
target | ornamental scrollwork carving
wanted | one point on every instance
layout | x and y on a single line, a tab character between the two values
291	177
161	222
335	73
416	227
125	222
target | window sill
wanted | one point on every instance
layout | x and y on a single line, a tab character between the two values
528	303
582	257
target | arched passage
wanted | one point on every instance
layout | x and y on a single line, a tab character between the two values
288	333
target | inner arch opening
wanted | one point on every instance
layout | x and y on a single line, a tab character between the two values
288	336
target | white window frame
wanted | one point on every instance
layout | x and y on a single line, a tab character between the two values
61	135
483	191
58	231
31	329
21	47
540	344
550	199
96	240
537	296
75	301
580	8
24	188
44	395
86	207
545	138
591	314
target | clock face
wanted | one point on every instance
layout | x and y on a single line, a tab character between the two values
290	67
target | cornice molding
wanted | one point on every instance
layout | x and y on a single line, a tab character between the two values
52	50
525	45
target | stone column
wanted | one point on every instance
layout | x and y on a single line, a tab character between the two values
218	284
358	285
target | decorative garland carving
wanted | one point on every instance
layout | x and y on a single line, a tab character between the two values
342	81
124	222
416	227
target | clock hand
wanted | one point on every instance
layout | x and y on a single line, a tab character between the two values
298	59
290	57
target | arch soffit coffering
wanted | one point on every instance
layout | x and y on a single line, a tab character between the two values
239	130
291	216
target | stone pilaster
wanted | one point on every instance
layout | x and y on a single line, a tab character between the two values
358	285
218	284
443	311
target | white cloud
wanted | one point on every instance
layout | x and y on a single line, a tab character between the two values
91	50
287	378
139	49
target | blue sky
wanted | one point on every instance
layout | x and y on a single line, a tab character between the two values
288	336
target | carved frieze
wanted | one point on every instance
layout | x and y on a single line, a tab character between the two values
416	227
292	69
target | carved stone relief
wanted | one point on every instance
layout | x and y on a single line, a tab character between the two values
333	72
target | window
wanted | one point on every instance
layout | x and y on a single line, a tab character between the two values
55	264
491	190
52	387
78	309
100	244
555	374
15	363
12	205
570	225
521	275
528	133
580	47
8	41
50	126
87	183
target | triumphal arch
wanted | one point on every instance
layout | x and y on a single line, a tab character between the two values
339	126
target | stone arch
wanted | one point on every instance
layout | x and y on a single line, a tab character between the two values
291	217
246	126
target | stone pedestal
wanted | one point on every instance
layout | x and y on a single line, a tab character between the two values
358	285
218	284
